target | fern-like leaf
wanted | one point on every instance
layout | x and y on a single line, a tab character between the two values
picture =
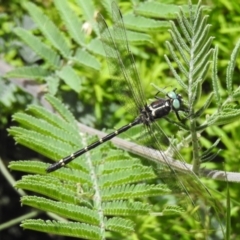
116	177
71	21
70	78
72	229
48	28
39	47
33	72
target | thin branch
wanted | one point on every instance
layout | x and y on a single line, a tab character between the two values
126	145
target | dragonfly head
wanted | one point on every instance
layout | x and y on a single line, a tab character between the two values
176	102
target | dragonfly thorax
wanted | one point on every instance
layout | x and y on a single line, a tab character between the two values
161	108
157	109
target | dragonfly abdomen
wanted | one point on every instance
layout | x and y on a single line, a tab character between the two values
108	137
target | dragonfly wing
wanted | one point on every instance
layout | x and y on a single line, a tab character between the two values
132	77
126	84
186	180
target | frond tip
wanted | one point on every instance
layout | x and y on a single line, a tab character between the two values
71	229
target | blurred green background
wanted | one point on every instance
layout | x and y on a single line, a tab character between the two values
95	104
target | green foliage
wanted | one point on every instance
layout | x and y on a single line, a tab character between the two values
118	179
40	48
7	93
72	56
72	229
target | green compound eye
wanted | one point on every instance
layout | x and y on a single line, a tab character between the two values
172	95
176	104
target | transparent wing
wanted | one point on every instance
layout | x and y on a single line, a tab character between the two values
128	90
127	86
126	83
132	77
187	181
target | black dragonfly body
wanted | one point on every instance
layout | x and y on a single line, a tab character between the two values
127	83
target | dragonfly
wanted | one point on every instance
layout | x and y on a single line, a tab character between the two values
121	63
128	89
